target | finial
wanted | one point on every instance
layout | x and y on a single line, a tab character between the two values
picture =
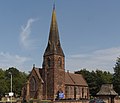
54	5
33	65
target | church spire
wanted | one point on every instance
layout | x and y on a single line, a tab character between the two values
54	46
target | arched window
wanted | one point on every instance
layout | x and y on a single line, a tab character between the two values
32	84
59	62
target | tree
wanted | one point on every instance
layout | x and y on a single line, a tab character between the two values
90	78
116	76
95	79
19	79
3	84
102	77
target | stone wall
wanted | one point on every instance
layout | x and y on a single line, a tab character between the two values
72	101
65	101
61	101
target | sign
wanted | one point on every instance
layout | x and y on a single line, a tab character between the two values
61	95
11	94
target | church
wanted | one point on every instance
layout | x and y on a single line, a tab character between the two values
51	82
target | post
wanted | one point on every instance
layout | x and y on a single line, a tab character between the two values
11	94
11	87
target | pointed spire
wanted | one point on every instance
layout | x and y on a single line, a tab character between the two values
54	46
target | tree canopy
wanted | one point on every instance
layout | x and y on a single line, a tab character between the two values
18	80
95	79
116	76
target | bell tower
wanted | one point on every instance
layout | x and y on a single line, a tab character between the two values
53	62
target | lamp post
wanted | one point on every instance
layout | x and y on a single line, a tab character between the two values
11	94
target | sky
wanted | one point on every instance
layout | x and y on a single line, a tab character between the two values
89	32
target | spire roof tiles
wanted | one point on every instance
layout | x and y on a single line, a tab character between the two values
54	46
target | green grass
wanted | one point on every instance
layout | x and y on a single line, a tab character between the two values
4	100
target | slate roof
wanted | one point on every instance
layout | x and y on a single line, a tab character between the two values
107	89
54	46
70	78
74	79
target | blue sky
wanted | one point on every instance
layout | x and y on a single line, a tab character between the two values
89	33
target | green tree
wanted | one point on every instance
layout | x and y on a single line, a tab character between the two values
19	79
95	79
90	78
3	84
116	76
102	77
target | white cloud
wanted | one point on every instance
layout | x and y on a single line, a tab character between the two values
25	34
100	59
7	60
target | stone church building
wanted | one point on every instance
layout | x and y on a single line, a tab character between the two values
51	80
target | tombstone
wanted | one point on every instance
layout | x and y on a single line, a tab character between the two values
107	91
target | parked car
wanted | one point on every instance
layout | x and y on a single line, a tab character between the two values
96	101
